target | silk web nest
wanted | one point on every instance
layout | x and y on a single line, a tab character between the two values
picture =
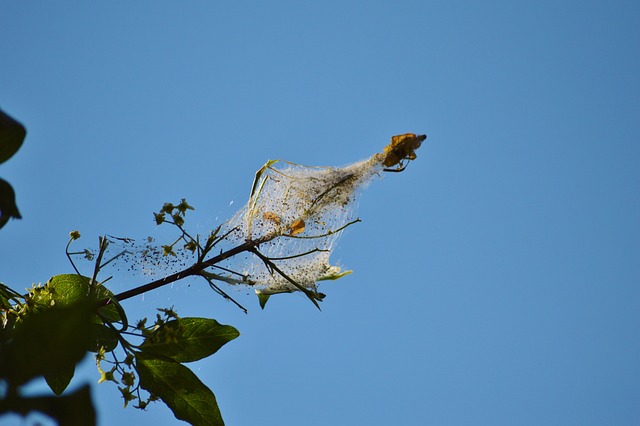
301	211
295	215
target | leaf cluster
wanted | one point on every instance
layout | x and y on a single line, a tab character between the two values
49	330
12	134
46	333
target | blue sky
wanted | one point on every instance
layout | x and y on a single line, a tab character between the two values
496	281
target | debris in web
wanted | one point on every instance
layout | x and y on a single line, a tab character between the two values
293	218
299	212
145	257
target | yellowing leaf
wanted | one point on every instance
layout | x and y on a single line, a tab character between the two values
401	147
297	227
271	216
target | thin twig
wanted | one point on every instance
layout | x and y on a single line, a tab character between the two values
222	237
227	279
311	295
200	266
190	271
223	294
66	250
326	234
123	252
244	276
299	255
326	191
104	243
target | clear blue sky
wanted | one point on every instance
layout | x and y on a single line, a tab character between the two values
497	280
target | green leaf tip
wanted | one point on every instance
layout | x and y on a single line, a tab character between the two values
12	134
176	385
188	339
334	275
8	207
262	299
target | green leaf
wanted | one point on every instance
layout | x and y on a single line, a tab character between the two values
12	135
263	299
46	342
59	379
69	288
74	409
61	290
113	312
104	337
177	386
8	207
189	339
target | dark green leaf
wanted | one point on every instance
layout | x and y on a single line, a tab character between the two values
74	409
105	337
48	341
12	135
59	379
113	312
68	289
189	339
177	386
8	207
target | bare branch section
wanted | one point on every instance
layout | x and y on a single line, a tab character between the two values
279	242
